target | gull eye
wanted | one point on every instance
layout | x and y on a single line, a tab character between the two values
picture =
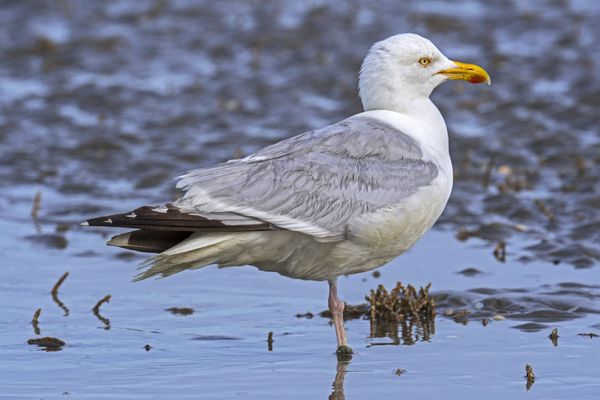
425	61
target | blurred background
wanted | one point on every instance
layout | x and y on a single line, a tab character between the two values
102	104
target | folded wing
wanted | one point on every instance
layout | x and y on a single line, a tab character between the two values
314	183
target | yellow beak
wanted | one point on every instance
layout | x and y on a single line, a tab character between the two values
467	72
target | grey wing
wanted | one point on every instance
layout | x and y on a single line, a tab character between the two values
316	182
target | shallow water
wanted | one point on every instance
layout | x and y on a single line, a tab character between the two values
102	104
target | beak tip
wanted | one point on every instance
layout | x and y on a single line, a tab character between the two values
468	72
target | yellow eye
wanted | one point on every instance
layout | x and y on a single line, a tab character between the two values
425	61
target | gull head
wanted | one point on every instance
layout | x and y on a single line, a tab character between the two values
405	67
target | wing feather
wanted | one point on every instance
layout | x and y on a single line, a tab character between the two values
171	218
316	182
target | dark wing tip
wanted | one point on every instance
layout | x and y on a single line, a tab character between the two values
172	218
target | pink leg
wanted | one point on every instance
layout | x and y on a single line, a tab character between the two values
336	306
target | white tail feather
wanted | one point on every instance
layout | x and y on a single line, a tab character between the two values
197	251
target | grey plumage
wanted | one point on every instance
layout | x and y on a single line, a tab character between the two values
315	182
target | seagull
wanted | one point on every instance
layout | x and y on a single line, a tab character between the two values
339	200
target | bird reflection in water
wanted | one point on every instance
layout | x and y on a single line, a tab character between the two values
403	331
338	383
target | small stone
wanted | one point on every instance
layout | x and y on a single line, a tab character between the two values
448	312
521	227
498	317
504	170
147	347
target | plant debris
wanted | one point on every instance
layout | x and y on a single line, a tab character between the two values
530	376
513	183
51	343
401	303
55	293
270	341
544	209
554	337
180	310
500	251
35	206
465	234
590	335
399	371
35	321
406	307
307	315
96	311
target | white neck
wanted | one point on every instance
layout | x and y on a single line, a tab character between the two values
423	111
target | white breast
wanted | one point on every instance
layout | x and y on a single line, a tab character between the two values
376	238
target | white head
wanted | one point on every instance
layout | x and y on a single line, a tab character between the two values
406	67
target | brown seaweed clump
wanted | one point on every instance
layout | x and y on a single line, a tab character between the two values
48	342
407	308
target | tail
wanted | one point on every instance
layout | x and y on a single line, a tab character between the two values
197	251
184	239
149	241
